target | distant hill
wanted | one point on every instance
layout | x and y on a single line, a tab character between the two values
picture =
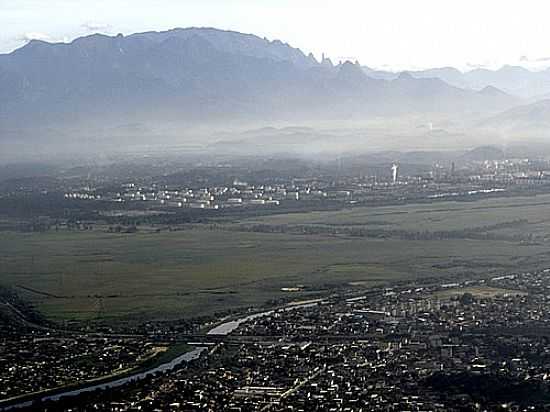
414	92
527	119
186	77
517	81
483	153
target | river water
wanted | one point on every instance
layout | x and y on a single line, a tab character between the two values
222	329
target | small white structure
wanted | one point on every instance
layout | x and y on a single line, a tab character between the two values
394	173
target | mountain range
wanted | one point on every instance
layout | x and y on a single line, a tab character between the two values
514	80
203	76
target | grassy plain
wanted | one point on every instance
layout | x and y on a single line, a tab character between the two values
117	277
432	217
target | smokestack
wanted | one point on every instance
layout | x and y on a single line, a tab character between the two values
394	171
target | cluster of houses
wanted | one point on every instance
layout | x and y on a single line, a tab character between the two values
38	360
472	345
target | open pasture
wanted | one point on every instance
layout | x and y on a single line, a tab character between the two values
95	275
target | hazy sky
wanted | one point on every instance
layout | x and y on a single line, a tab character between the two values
391	34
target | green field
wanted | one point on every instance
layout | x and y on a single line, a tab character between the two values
440	216
97	275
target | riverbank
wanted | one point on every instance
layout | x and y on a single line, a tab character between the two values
48	394
225	327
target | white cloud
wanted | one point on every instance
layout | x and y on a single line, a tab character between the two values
33	36
484	65
532	63
95	26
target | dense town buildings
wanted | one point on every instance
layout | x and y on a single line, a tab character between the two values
478	344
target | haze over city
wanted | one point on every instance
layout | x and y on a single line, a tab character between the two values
274	206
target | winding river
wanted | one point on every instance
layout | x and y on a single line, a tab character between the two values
222	329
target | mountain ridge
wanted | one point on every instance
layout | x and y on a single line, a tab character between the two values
515	80
205	76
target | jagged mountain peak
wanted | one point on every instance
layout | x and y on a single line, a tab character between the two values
199	75
237	43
